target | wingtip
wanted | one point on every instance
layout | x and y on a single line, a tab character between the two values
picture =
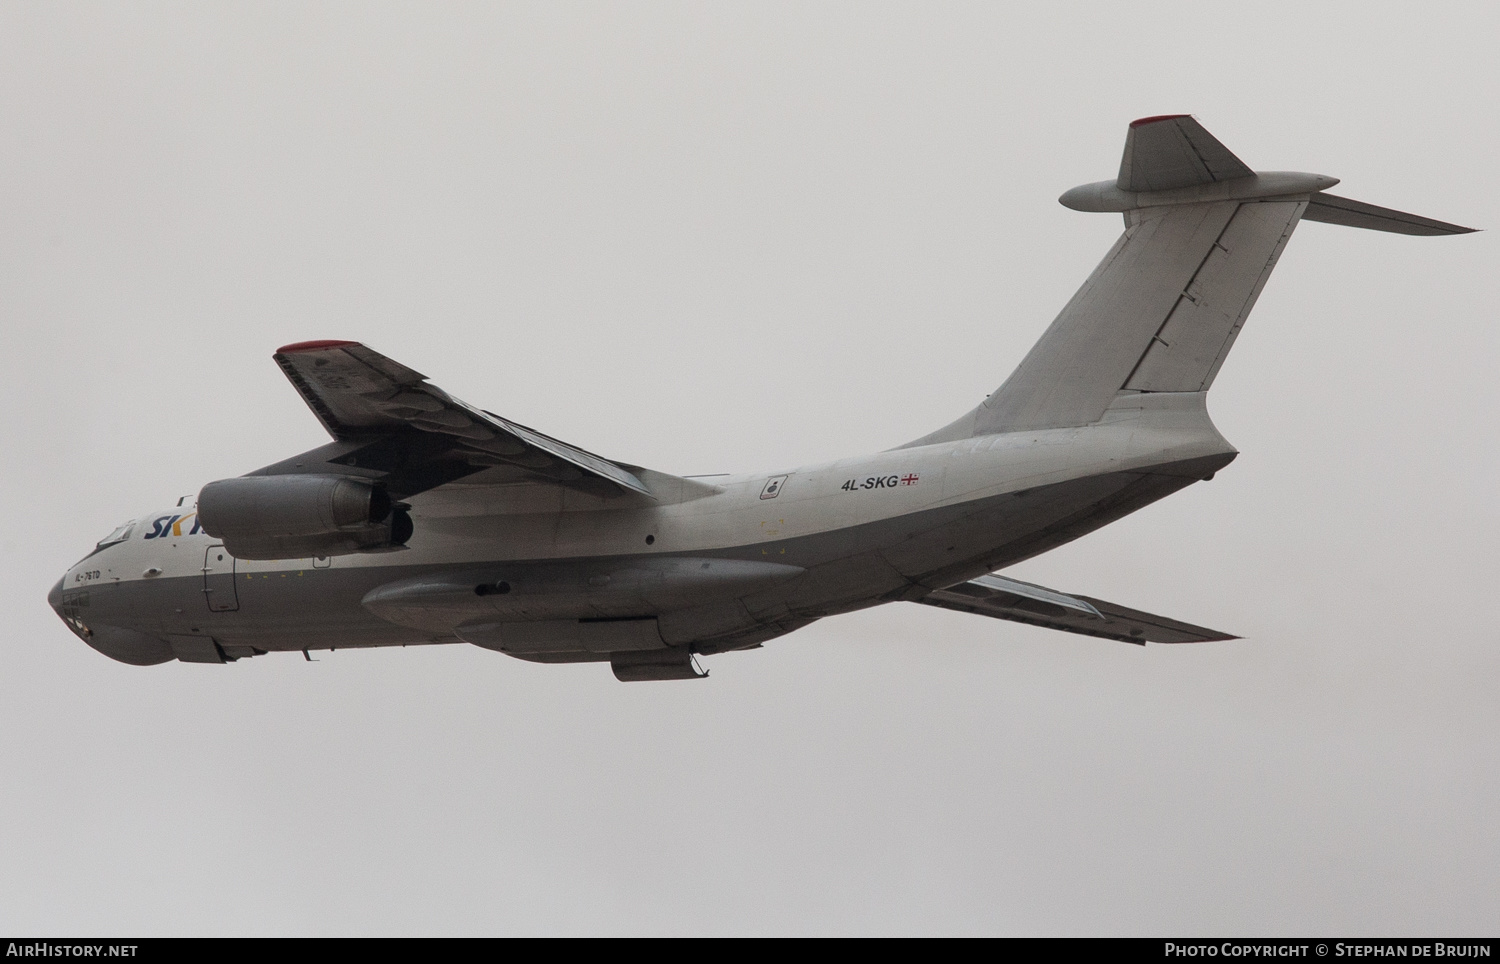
297	346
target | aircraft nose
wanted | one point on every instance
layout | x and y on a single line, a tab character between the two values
54	598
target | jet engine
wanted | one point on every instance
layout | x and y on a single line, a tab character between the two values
297	516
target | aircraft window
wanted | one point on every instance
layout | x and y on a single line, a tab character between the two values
119	535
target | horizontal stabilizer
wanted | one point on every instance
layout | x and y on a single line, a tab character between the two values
1162	153
1022	602
1332	209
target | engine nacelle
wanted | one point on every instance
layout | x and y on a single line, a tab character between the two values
297	516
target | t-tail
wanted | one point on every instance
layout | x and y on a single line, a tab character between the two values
1162	310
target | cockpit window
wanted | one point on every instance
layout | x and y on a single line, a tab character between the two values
119	535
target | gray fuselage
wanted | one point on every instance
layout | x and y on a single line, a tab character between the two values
769	556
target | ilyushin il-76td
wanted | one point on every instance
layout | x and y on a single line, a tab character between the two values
427	520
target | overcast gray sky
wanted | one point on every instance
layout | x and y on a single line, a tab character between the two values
739	237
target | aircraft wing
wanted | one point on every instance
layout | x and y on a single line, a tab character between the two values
390	422
1023	602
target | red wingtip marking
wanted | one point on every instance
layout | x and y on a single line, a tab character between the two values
312	346
1158	117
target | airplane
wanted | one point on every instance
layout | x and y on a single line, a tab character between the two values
427	520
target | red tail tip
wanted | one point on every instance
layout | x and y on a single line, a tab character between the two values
312	346
1159	117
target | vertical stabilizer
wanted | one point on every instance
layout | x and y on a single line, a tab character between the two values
1185	353
1158	314
1161	311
